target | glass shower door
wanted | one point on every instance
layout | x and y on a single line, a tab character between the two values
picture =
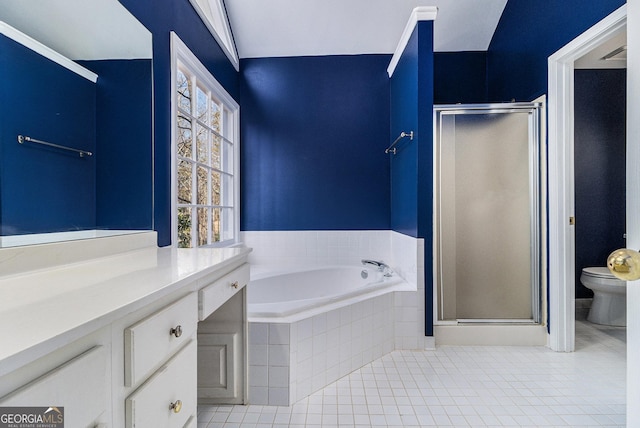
487	220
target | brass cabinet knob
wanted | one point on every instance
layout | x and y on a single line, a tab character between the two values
176	406
234	284
177	331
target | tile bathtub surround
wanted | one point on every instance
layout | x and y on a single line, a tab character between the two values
463	386
334	247
315	248
288	362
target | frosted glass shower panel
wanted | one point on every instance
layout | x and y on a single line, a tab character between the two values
487	170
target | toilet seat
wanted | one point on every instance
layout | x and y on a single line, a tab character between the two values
601	279
598	272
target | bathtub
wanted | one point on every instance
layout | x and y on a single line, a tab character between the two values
310	327
288	295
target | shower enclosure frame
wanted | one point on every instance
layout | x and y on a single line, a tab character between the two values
534	110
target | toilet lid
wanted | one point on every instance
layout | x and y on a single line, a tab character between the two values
599	272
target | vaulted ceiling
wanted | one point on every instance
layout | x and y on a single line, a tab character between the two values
275	28
80	29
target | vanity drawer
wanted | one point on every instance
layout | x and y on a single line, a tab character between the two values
152	340
80	385
217	293
169	397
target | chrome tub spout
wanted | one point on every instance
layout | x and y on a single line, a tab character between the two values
380	266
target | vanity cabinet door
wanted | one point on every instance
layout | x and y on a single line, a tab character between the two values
151	341
81	386
168	397
222	344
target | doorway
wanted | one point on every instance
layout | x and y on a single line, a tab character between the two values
561	177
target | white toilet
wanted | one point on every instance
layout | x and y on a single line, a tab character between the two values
609	305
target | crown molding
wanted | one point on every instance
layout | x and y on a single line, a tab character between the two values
34	45
423	13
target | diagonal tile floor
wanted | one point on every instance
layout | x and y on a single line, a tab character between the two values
463	386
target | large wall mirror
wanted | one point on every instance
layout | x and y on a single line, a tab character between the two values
99	102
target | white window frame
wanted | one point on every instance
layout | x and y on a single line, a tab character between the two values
180	53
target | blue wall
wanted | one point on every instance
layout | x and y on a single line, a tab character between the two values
404	118
411	89
600	170
124	152
530	31
161	17
425	136
314	130
460	77
44	189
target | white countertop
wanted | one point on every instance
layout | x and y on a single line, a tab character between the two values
45	309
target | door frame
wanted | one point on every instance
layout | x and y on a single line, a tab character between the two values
561	178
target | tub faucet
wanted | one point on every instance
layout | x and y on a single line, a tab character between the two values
380	265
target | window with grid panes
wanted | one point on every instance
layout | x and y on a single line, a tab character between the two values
205	160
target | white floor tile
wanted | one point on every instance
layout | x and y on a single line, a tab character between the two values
462	386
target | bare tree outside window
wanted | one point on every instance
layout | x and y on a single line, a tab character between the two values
204	165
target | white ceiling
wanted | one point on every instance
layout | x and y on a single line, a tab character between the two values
80	29
595	58
275	28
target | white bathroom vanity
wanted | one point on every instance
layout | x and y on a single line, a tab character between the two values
122	333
